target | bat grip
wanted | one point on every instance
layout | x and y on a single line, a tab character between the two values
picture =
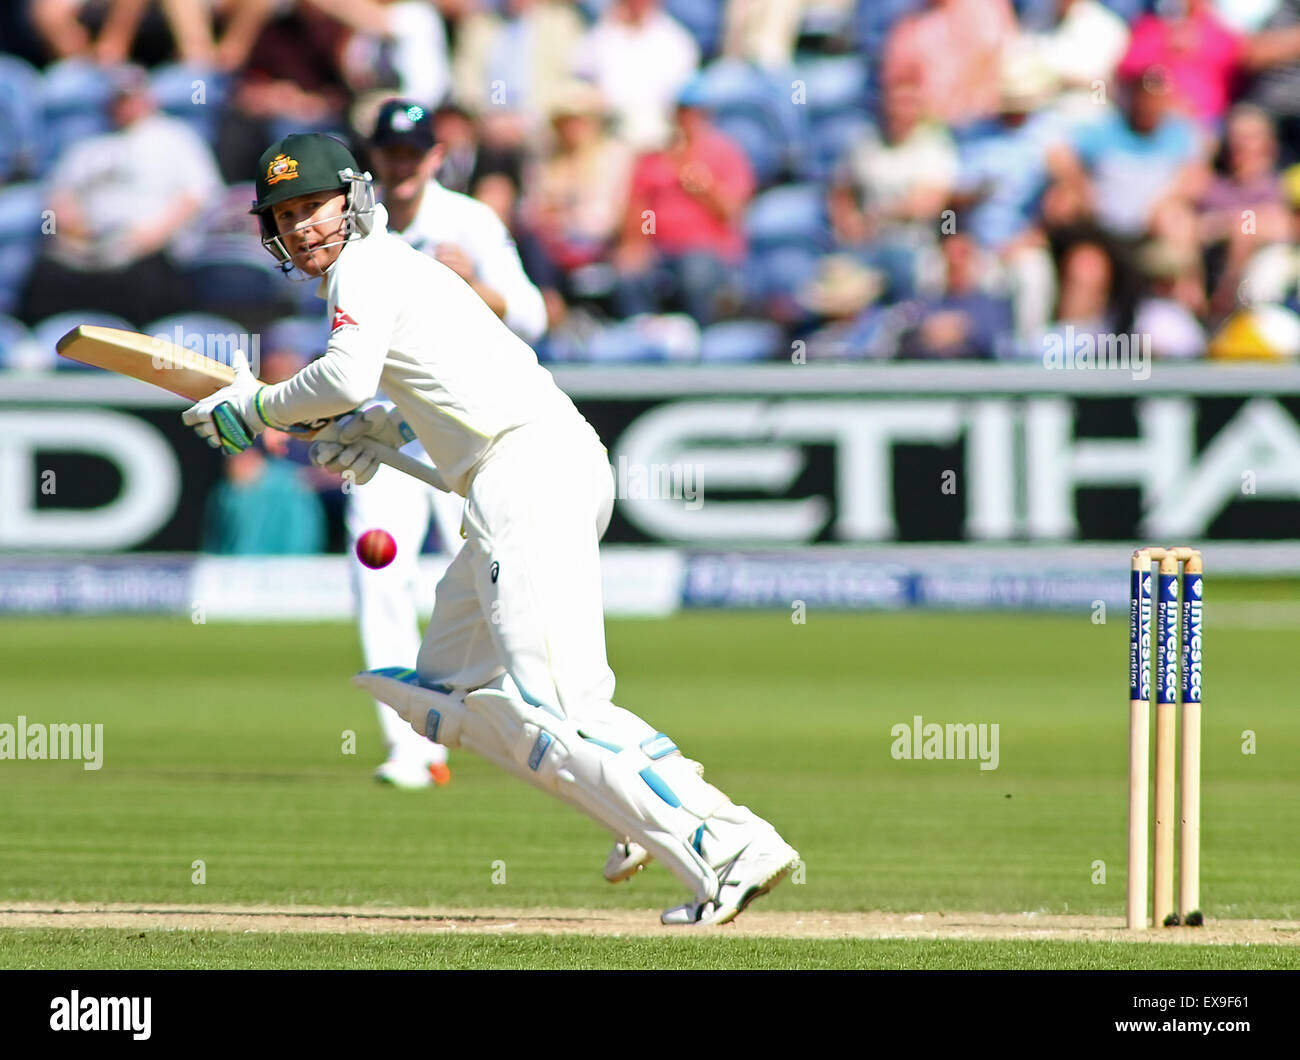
406	464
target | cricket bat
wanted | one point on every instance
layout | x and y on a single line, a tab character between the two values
189	375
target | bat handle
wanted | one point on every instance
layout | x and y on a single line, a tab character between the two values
406	464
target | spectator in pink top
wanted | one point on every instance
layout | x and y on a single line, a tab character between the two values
1197	52
952	53
1201	57
682	237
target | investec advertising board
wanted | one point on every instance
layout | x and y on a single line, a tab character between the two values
762	457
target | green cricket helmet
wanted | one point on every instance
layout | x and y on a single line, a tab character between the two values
304	164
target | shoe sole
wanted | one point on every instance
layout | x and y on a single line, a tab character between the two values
401	785
756	891
630	871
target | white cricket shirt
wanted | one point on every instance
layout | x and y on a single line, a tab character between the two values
446	216
407	324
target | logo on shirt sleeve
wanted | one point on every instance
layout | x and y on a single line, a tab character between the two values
341	320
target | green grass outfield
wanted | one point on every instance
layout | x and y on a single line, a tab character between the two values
225	744
129	949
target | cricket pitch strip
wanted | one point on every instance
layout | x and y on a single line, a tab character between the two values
374	920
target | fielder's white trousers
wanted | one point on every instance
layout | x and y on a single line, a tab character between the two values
388	617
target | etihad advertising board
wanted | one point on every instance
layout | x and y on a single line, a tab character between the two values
764	456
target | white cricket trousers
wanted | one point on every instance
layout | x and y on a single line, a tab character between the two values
523	595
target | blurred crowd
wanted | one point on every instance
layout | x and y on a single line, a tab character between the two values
720	180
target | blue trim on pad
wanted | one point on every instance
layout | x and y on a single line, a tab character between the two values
657	746
397	673
656	784
533	701
408	677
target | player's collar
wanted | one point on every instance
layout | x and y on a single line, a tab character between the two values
380	224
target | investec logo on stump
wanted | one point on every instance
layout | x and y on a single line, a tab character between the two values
1192	662
77	1013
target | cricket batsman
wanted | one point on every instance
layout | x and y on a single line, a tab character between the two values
466	235
513	663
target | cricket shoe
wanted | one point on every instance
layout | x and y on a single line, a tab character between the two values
402	773
759	866
626	860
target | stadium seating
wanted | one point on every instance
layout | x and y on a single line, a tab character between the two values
787	232
20	212
831	22
875	19
174	86
829	140
703	19
20	235
753	108
251	292
668	337
1128	10
19	123
16	260
741	340
795	144
833	84
73	98
837	112
229	271
792	213
213	336
15	345
48	332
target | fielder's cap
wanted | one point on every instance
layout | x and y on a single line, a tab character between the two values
401	122
300	164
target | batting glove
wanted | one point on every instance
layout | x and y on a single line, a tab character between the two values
230	419
338	447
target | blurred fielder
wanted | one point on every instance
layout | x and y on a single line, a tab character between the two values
513	664
468	237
